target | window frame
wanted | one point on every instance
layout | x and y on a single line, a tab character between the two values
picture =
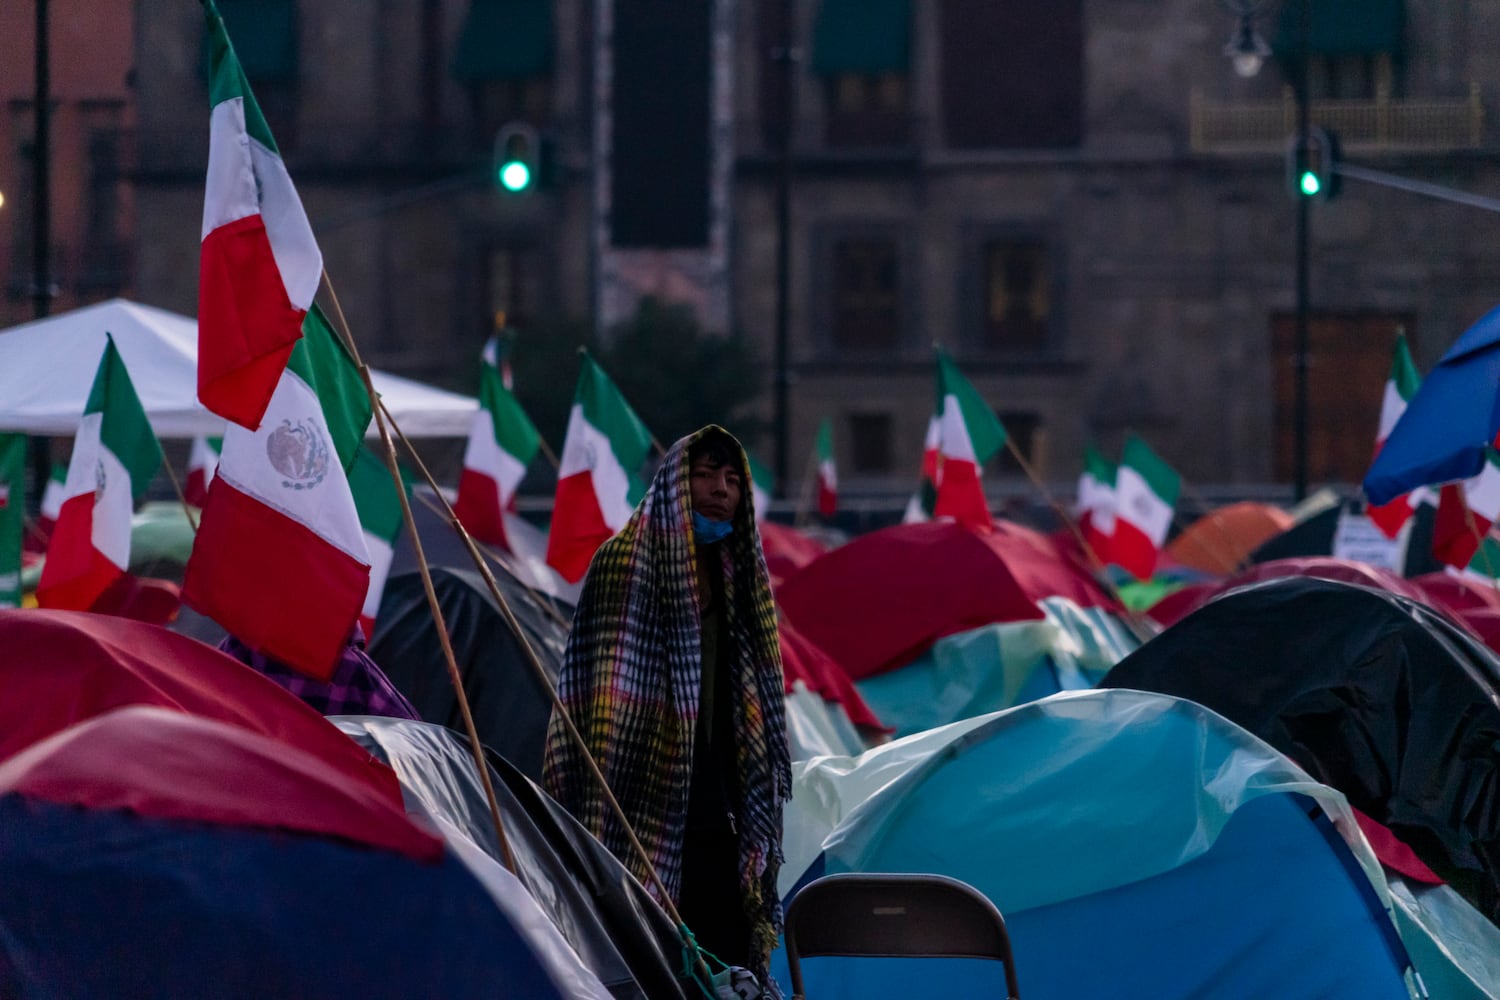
973	291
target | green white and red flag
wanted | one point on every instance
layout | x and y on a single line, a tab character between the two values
970	434
496	355
919	507
115	454
599	480
1146	490
381	518
1466	513
762	487
203	459
1096	502
259	263
280	559
1484	564
1400	387
828	475
502	443
53	496
12	516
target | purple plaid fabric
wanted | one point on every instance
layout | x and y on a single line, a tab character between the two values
358	685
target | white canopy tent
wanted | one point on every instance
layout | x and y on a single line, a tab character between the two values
47	367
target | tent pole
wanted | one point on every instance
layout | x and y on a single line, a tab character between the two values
432	602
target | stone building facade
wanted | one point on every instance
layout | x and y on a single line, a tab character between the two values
1088	207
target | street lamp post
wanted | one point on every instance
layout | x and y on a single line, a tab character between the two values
784	56
1248	52
41	218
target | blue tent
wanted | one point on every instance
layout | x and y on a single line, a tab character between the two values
1138	845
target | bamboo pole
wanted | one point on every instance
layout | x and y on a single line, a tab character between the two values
187	508
432	602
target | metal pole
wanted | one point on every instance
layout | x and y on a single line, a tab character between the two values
41	218
785	58
1300	359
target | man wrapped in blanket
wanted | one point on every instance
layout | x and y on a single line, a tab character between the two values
673	675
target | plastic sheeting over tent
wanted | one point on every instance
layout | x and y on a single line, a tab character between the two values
878	602
617	930
148	852
1138	846
1000	666
1377	695
48	365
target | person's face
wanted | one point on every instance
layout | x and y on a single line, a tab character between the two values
715	489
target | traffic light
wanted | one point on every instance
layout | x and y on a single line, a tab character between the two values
1311	169
517	159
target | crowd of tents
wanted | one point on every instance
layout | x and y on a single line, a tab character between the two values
1266	765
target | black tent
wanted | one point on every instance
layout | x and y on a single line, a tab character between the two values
510	705
1315	537
1373	694
619	931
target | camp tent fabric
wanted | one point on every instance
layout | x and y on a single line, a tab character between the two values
1454	946
47	366
787	549
58	668
621	934
879	601
995	667
510	705
818	728
1457	592
1137	845
1314	536
1180	604
1221	540
1377	695
115	885
802	660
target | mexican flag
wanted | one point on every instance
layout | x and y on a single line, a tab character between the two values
1466	512
1096	502
970	434
598	476
12	516
828	476
919	507
381	518
115	454
1146	491
762	487
1485	563
280	559
1399	389
496	355
202	461
52	497
259	265
502	443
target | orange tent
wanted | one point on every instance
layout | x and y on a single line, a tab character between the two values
1221	541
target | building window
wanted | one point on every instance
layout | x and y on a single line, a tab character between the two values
103	251
1023	429
1358	77
866	109
866	294
512	287
1015	283
1011	78
872	451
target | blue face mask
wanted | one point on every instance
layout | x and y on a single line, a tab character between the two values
708	532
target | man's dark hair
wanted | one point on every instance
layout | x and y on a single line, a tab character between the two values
716	447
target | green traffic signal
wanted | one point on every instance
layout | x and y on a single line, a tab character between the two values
515	176
1310	184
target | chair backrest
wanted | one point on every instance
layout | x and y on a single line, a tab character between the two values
895	916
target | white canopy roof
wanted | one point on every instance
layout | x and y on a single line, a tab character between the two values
47	367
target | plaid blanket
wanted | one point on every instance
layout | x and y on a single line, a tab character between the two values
631	678
358	685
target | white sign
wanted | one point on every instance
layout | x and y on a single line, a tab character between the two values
1359	539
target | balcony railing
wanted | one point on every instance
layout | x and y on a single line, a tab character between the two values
1383	123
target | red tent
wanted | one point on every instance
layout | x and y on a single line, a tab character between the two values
881	600
1180	604
1458	593
63	667
805	662
787	549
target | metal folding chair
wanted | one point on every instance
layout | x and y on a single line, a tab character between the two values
895	916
